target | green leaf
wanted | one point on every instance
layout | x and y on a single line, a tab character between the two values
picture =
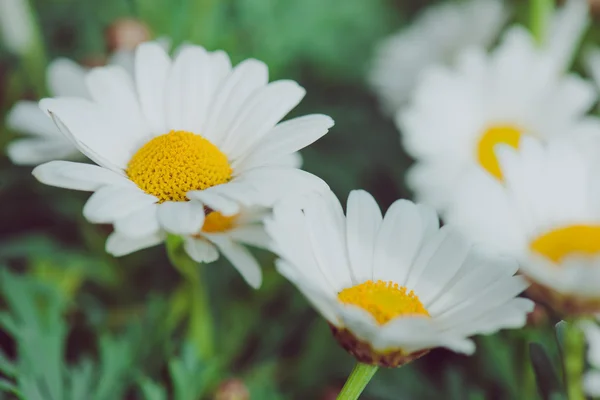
8	386
152	390
547	380
7	367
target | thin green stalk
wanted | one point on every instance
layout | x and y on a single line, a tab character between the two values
527	383
200	323
357	381
574	360
540	12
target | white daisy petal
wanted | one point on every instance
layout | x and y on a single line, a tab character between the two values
253	235
91	130
190	89
245	79
287	138
240	258
215	201
120	245
66	79
152	66
113	89
142	222
200	250
362	225
26	117
78	176
183	218
37	151
397	242
111	203
260	114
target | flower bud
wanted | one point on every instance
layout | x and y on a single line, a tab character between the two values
232	389
126	34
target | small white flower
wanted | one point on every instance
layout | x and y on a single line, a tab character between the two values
46	143
591	380
458	115
17	25
219	234
185	135
436	37
546	214
393	287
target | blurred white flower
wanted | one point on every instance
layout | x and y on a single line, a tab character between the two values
17	25
393	287
64	78
458	115
545	213
436	37
227	235
180	139
591	379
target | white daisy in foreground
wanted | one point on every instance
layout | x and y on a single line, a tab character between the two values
219	234
546	214
190	134
436	37
591	380
393	287
458	115
46	143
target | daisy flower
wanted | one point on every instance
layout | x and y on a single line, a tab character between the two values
591	380
436	37
546	214
219	235
185	137
393	287
46	143
458	115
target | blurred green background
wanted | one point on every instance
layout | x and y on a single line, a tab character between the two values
91	325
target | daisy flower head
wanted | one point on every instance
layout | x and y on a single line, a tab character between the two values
436	37
459	114
591	380
393	287
546	214
226	235
182	138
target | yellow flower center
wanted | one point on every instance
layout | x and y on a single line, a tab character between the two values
216	222
560	243
383	300
177	162
498	134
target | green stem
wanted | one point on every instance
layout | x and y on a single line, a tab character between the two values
574	354
528	385
200	322
540	12
357	381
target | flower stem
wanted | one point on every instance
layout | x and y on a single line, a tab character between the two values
573	359
357	381
200	322
540	12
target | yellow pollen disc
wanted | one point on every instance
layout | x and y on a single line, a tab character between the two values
177	162
383	300
499	134
583	240
215	222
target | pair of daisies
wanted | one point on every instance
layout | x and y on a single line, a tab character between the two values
192	146
505	147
